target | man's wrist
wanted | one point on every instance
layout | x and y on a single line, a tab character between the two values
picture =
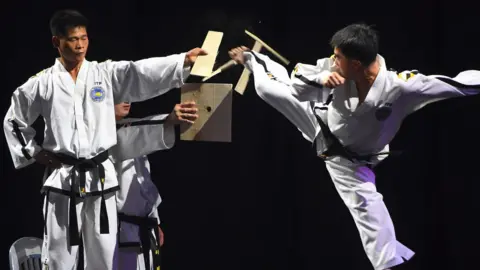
170	120
187	63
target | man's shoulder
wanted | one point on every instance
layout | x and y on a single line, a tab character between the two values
38	74
37	78
42	73
402	76
101	63
400	81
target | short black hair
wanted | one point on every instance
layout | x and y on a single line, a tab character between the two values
62	20
358	42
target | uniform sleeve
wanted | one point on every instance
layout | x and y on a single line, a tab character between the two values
422	90
24	110
134	81
307	80
140	137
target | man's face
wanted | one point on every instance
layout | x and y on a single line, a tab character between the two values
72	47
347	68
122	110
342	64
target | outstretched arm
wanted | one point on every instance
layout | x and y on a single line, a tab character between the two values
150	77
140	137
422	90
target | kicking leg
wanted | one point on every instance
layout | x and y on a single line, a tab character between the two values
278	95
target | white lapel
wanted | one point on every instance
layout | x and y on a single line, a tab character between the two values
67	80
375	91
81	84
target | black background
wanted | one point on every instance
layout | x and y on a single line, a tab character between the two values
265	201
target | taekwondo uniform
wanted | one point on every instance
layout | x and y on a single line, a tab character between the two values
80	129
353	138
138	198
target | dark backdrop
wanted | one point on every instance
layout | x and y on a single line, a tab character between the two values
265	201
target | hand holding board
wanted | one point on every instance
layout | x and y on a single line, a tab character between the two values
204	64
214	103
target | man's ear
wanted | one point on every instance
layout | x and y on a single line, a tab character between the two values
356	64
55	42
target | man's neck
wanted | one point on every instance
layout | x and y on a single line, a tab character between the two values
366	80
73	68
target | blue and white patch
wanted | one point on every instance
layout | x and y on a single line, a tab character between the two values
97	94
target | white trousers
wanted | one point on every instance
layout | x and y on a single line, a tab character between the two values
100	250
130	259
355	183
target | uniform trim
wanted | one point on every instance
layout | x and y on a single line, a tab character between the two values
21	139
307	81
457	84
141	123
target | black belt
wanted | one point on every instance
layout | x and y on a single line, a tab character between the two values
147	240
81	166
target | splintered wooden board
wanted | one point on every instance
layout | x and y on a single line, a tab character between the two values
243	81
268	48
204	64
214	103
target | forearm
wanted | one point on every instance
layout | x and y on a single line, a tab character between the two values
308	80
140	137
148	78
20	138
310	89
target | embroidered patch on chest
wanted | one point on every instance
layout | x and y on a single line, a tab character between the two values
383	112
97	94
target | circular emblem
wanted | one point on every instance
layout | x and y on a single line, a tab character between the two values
383	113
97	94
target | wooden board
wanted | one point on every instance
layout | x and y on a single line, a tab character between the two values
243	81
214	103
268	48
204	64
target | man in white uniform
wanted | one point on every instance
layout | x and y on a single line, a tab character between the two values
76	98
351	107
140	235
